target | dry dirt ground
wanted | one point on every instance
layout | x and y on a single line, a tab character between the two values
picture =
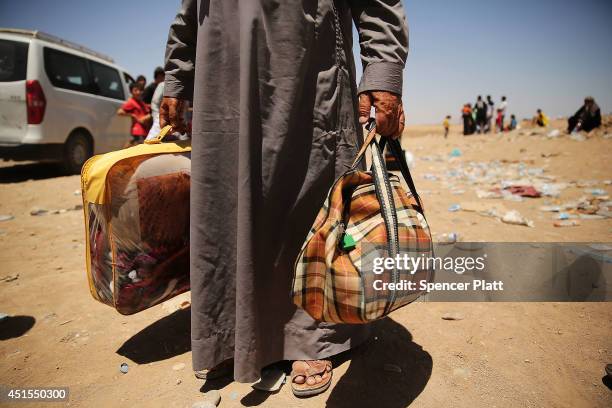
499	355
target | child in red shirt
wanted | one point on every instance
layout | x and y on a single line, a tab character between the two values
140	114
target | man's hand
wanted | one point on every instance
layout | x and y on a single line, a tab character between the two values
171	113
389	112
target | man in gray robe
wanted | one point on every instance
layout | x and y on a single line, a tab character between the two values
275	122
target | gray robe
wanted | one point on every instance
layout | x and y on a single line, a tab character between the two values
274	124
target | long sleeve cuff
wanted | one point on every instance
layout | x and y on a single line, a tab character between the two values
382	76
178	88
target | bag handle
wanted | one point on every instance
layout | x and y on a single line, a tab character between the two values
160	137
396	151
366	142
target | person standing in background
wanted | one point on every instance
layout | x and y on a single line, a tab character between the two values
140	113
501	113
490	113
142	81
481	114
468	122
446	124
158	77
277	118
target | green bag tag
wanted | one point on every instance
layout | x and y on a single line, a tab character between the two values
348	243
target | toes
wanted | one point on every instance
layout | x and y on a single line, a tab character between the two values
318	379
325	375
299	379
311	381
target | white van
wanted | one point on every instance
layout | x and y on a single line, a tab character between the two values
58	100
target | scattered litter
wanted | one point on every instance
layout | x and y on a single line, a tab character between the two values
508	196
550	208
488	194
392	368
409	159
563	216
38	211
514	217
457	192
429	176
213	397
271	380
6	218
178	366
124	368
591	216
604	213
552	189
447	238
203	404
577	137
553	133
596	191
180	302
452	316
10	278
43	211
535	171
454	207
527	360
76	192
455	153
567	223
485	209
601	247
178	381
66	322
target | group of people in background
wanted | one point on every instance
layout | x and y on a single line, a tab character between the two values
478	118
484	116
143	107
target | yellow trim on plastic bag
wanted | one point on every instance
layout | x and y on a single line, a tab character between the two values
93	175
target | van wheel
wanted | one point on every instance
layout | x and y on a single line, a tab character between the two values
77	150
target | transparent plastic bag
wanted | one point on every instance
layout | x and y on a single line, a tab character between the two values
138	230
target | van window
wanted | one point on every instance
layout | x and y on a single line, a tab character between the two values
13	60
107	81
66	70
128	78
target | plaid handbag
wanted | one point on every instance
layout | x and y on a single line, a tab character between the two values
367	216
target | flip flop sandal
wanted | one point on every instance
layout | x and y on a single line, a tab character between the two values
314	367
224	369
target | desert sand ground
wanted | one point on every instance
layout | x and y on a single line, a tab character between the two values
498	355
